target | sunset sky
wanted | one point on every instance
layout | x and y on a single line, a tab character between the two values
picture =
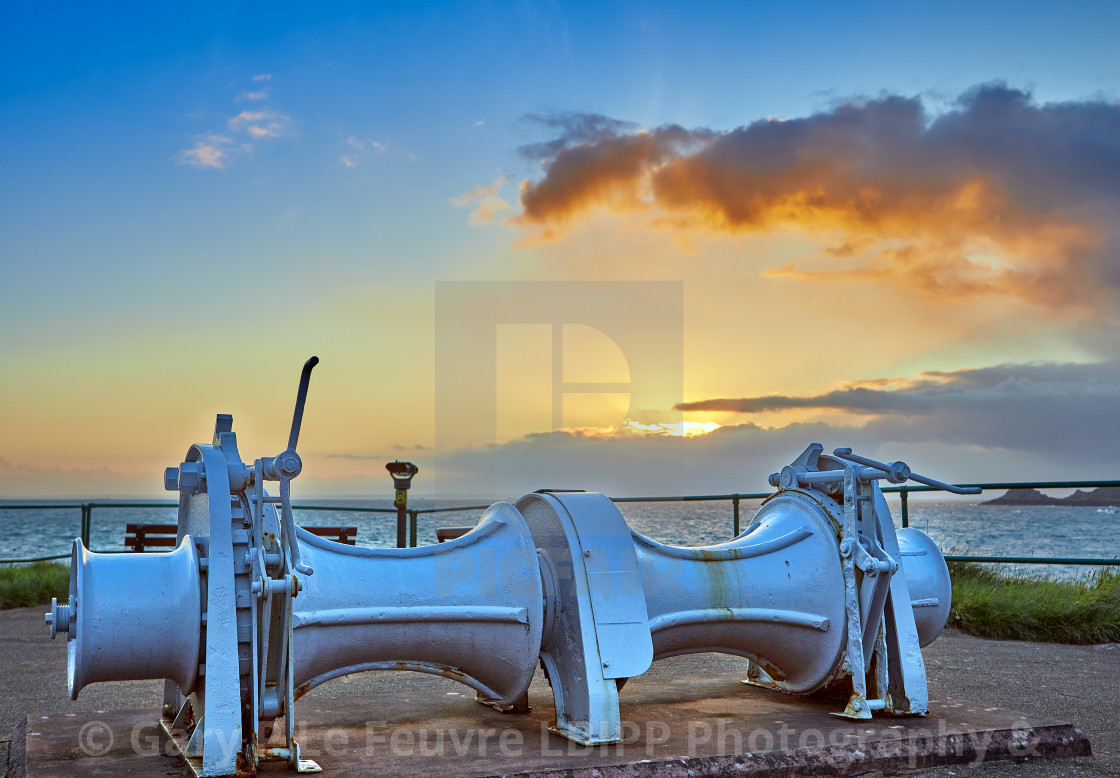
892	226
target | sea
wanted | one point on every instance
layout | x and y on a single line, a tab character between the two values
958	526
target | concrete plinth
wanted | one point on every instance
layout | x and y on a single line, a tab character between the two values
690	725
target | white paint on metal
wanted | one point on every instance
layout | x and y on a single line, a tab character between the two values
927	575
472	605
774	594
136	616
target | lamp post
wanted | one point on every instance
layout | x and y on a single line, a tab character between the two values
402	473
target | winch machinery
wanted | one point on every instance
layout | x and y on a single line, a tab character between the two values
250	611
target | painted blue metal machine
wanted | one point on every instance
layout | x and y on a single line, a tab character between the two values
250	611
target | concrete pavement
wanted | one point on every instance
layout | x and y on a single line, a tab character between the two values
1076	684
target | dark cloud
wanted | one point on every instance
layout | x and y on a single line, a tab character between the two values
738	458
1064	409
568	128
1003	423
602	173
856	399
999	195
938	389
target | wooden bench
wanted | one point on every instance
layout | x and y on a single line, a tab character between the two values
450	533
142	537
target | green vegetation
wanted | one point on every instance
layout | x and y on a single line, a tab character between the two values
999	605
34	584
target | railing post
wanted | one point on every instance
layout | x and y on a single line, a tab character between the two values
902	493
87	509
412	529
735	514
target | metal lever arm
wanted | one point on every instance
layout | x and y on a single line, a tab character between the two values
301	400
896	469
287	465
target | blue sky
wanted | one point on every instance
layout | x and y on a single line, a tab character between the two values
319	208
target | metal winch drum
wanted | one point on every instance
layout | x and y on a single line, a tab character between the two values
249	612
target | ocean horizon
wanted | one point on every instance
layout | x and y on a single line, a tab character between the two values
958	526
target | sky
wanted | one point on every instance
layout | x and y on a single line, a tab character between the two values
687	240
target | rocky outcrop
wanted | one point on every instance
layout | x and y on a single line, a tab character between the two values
1106	496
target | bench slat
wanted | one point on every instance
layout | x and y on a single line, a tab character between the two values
141	536
151	529
149	541
443	534
347	535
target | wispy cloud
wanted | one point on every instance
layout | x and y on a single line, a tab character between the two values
209	151
18	479
998	196
217	151
397	447
362	146
259	124
486	201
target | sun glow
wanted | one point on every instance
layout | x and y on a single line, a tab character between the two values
684	429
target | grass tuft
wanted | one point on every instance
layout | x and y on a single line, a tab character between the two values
25	585
1005	606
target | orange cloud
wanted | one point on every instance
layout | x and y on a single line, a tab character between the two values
998	196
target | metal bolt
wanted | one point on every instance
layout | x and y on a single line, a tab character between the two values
59	618
171	479
190	476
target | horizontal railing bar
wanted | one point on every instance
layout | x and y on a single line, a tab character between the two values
696	497
685	498
680	498
450	510
79	505
35	559
1016	485
1032	560
342	509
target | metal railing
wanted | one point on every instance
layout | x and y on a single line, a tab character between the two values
903	492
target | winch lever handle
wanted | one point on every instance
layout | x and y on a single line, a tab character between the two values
846	453
942	485
301	401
